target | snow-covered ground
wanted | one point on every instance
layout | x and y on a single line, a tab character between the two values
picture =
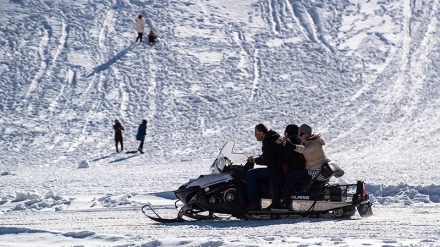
364	74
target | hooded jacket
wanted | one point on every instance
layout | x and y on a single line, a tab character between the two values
313	152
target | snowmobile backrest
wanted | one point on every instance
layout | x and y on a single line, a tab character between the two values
331	169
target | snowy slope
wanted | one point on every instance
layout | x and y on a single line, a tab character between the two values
364	74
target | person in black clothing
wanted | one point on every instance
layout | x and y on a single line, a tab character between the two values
295	161
140	136
272	149
118	135
291	162
152	38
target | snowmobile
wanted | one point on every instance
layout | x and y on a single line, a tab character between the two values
224	192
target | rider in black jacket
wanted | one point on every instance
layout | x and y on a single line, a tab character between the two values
295	161
271	153
291	161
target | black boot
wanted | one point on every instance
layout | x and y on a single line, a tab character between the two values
284	204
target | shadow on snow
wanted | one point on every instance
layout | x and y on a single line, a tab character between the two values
113	60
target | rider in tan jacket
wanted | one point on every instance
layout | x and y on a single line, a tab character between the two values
313	152
312	149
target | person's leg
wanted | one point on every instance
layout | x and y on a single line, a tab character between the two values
122	145
251	177
141	145
275	184
294	177
116	145
140	35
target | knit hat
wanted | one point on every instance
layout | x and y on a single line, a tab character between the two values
291	129
304	128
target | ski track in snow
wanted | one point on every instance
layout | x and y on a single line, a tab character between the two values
365	75
399	95
62	41
43	44
152	85
402	91
256	74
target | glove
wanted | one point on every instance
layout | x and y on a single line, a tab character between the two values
249	165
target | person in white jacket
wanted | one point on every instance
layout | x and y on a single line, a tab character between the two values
140	26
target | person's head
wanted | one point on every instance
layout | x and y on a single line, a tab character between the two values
291	130
139	16
151	32
144	121
260	131
116	121
304	132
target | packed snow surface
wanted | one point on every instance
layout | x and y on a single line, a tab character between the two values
363	74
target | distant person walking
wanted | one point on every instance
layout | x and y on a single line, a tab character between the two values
118	135
140	26
140	136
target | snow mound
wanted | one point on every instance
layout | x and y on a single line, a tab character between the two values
33	200
5	173
84	164
111	201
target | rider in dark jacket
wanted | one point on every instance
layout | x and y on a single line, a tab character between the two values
291	161
295	161
272	149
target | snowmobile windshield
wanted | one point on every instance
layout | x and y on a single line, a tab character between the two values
227	157
219	164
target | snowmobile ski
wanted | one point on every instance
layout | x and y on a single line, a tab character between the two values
157	218
192	217
165	220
